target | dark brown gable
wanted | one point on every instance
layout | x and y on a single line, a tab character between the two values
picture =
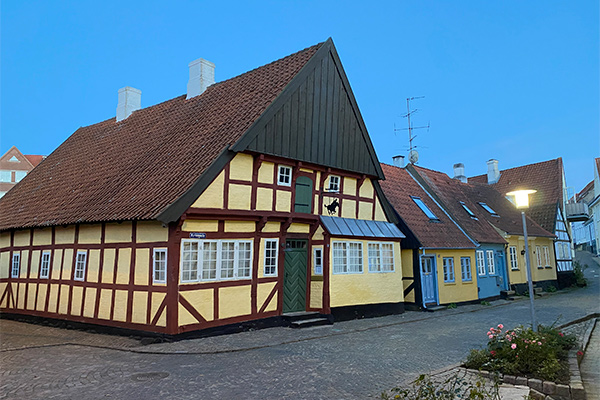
316	119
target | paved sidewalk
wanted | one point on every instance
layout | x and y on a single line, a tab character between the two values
590	366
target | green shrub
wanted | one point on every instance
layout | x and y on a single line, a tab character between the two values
485	303
551	289
452	306
578	269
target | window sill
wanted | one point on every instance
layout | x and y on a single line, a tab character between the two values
465	282
453	283
381	272
548	267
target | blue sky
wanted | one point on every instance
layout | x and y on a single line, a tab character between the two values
512	80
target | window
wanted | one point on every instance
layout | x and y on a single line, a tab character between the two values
547	256
490	262
334	183
480	263
448	269
424	208
347	258
159	274
5	175
514	265
488	209
381	257
538	253
465	268
467	209
80	266
270	267
208	260
318	261
284	176
20	175
45	265
16	261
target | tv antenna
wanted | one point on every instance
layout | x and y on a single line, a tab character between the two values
413	155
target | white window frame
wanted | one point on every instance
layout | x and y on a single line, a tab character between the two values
378	264
538	255
159	266
45	265
448	265
423	207
547	256
488	209
334	183
468	210
345	267
274	257
480	262
16	265
465	269
200	259
491	265
284	171
514	261
318	260
80	265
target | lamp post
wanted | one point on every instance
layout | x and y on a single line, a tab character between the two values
522	202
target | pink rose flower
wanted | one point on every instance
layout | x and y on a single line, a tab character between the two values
513	346
539	343
561	334
500	326
490	336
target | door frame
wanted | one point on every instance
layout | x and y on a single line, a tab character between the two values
432	257
306	280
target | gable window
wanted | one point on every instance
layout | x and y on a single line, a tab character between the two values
334	183
467	209
270	266
347	258
514	265
424	208
20	175
284	177
547	257
16	264
80	266
159	274
448	269
318	261
209	260
465	268
488	209
45	265
490	262
538	253
381	257
480	263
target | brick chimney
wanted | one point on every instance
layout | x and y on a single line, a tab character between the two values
130	100
459	172
493	174
202	75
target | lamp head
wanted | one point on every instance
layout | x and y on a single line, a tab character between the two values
521	197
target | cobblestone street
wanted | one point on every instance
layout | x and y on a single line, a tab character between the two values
354	359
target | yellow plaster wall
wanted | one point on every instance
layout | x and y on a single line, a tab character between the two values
200	226
67	264
41	237
142	266
379	214
90	302
105	302
90	234
120	313
41	302
350	186
266	172
239	226
157	299
151	231
35	264
316	204
140	304
299	228
65	235
366	189
93	267
366	287
56	261
4	264
184	317
4	240
63	301
264	199
77	300
318	234
119	233
263	291
365	210
239	196
4	303
123	266
348	208
520	276
212	197
241	167
408	272
23	264
458	291
234	301
53	300
108	268
202	300
31	296
284	201
316	294
22	238
271	227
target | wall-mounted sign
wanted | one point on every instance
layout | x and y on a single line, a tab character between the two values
197	235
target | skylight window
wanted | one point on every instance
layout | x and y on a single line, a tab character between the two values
424	208
488	209
467	209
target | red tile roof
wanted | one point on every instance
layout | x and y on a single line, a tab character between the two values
135	168
587	189
597	160
34	159
398	187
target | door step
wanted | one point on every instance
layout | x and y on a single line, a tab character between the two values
508	294
435	308
305	319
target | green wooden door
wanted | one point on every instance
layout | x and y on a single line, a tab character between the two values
304	195
294	278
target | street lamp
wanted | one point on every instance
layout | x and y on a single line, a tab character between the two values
522	201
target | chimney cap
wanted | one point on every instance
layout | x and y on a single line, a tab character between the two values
459	165
201	60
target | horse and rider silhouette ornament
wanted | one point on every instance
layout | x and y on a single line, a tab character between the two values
332	207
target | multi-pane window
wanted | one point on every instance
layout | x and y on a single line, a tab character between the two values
159	273
538	253
381	257
45	265
80	266
490	262
334	183
5	175
347	257
448	269
215	259
284	177
546	256
16	263
514	264
271	257
424	208
465	268
318	261
480	263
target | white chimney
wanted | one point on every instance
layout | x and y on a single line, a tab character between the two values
398	161
459	172
493	174
130	100
202	75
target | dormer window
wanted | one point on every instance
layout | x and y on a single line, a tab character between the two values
467	209
285	176
424	208
488	209
334	183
